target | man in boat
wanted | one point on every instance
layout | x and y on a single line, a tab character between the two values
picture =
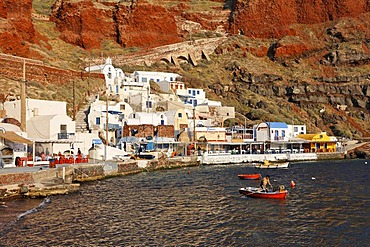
264	182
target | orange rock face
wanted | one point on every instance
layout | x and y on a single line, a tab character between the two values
273	19
137	25
91	23
17	28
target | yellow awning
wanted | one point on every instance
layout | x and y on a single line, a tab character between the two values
13	137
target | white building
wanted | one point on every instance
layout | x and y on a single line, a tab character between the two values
35	107
277	131
151	118
117	112
47	123
147	76
271	131
296	129
112	75
192	96
13	144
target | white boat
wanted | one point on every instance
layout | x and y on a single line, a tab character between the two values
267	164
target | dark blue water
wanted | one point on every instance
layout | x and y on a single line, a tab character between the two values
201	206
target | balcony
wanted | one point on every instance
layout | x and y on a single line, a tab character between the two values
65	136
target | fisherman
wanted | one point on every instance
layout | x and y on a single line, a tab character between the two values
264	182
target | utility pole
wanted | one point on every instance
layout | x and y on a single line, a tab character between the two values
195	144
23	98
106	128
74	100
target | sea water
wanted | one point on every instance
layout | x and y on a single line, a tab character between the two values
201	206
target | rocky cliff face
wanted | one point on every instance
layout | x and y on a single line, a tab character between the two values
305	55
17	31
275	19
88	24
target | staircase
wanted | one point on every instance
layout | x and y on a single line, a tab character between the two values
81	120
81	117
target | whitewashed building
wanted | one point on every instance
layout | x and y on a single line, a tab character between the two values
47	123
151	118
277	131
147	76
271	131
13	144
116	113
177	118
113	76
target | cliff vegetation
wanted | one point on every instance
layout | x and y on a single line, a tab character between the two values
292	60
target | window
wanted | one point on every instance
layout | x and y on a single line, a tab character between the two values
97	121
63	128
283	133
148	104
144	79
117	89
162	122
198	92
295	129
122	107
189	92
302	128
195	103
227	114
179	115
171	78
110	75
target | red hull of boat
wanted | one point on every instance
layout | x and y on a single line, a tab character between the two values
249	176
271	195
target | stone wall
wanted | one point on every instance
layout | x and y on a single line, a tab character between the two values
16	178
35	70
330	156
88	173
145	130
128	167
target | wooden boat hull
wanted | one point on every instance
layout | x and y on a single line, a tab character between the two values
250	176
257	193
273	165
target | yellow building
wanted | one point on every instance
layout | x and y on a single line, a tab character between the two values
319	142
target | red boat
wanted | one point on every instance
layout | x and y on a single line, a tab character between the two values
258	193
250	176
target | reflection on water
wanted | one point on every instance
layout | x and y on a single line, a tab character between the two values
204	208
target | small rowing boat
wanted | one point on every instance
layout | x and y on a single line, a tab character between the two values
254	176
267	164
258	193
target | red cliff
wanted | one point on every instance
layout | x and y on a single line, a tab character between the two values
274	19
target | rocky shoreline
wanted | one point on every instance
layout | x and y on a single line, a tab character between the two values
67	179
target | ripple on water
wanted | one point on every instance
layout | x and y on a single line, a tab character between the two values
204	208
